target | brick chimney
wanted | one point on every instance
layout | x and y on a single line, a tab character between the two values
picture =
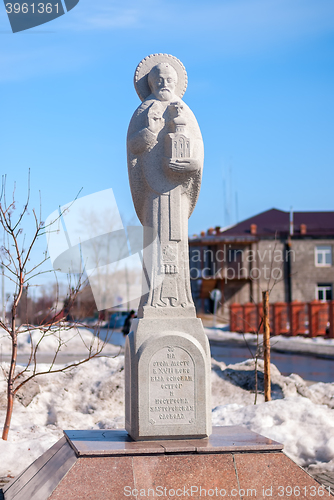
253	229
217	228
210	231
303	229
202	234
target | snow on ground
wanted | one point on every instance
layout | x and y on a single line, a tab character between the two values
299	416
68	339
92	397
89	397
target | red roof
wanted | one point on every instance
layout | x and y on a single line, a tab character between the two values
271	222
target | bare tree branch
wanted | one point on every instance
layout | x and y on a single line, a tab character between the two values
17	251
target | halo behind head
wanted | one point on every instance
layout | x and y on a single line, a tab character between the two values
144	67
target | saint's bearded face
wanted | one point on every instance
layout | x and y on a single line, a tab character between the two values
162	81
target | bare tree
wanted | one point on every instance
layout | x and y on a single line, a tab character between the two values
15	257
261	329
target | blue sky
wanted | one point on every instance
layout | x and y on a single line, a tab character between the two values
261	81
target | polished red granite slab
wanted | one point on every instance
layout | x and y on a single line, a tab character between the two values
118	442
187	475
105	442
151	476
275	475
108	465
98	478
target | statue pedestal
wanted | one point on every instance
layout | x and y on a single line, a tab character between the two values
233	463
167	358
167	380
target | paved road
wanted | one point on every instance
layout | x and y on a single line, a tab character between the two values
327	479
115	346
311	362
279	345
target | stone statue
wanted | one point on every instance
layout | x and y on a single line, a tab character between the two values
167	354
165	161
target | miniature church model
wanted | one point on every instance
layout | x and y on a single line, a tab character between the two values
177	144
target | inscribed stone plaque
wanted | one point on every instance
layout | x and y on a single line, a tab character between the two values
171	387
166	397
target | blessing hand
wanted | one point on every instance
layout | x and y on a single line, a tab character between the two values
183	165
155	119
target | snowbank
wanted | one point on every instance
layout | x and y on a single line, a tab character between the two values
65	338
89	397
299	416
92	397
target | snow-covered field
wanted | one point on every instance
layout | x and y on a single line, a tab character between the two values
92	397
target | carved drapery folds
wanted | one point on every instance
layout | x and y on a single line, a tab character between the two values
165	161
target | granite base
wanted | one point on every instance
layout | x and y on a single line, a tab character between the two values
106	464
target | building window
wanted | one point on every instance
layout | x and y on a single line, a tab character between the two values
323	256
235	255
323	292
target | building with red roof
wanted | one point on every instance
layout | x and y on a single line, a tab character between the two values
288	253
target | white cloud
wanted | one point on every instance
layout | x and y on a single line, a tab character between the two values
21	61
260	22
103	15
245	26
234	21
224	26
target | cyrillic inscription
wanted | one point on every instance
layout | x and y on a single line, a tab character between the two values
172	387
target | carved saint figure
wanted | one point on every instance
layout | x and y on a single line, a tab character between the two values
165	161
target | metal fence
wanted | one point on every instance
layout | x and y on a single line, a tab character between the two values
297	318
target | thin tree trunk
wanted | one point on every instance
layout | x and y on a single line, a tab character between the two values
266	346
256	382
10	386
